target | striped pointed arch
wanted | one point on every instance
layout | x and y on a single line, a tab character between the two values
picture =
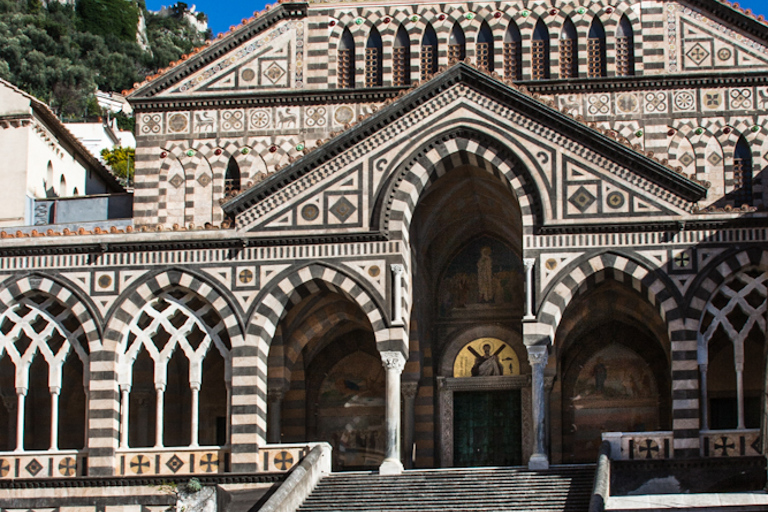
11	293
290	288
718	273
152	287
586	273
438	155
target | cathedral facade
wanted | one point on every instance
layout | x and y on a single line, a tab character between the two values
431	235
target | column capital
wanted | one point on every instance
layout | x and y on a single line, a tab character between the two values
529	263
275	394
410	388
538	354
397	268
392	360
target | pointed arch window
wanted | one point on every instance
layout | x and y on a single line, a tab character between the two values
742	173
513	68
168	397
346	61
457	48
540	52
484	53
43	362
428	57
232	178
596	50
401	58
569	51
625	49
373	65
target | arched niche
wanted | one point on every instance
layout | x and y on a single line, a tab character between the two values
465	393
613	371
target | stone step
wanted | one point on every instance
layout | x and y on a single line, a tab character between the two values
564	489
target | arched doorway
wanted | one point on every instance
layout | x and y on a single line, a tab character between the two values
326	381
466	242
613	371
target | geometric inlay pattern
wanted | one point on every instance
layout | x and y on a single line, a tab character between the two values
34	467
714	159
174	463
67	466
176	181
698	53
204	180
209	462
343	209
737	307
686	159
582	199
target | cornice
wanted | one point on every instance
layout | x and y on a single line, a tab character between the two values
655	82
699	223
507	94
128	481
267	99
101	244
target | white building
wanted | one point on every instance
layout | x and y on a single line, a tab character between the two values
42	159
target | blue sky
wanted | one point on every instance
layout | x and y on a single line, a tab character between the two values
221	15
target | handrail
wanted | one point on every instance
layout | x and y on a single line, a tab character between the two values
301	481
602	486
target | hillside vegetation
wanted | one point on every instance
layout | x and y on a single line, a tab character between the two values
62	53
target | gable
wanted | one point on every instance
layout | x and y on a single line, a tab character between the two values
578	174
258	55
707	43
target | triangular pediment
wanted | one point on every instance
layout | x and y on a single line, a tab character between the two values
581	175
259	55
707	43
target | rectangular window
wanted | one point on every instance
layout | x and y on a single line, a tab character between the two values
538	60
624	65
742	181
483	56
595	57
399	66
567	56
345	69
428	61
512	68
372	67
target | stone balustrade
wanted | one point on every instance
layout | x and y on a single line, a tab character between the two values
639	445
43	464
730	443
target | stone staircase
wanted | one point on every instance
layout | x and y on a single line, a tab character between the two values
561	488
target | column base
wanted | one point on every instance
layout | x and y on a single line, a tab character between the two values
391	467
538	462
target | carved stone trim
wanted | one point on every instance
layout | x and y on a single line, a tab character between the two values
392	360
410	388
448	385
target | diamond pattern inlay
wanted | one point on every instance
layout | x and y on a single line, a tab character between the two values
714	159
176	181
343	209
698	53
582	199
204	180
686	159
174	463
34	467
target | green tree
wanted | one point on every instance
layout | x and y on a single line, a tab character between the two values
122	161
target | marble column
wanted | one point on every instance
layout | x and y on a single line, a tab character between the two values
410	389
159	409
124	415
537	357
21	394
704	397
274	410
195	426
393	362
55	393
397	293
528	262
